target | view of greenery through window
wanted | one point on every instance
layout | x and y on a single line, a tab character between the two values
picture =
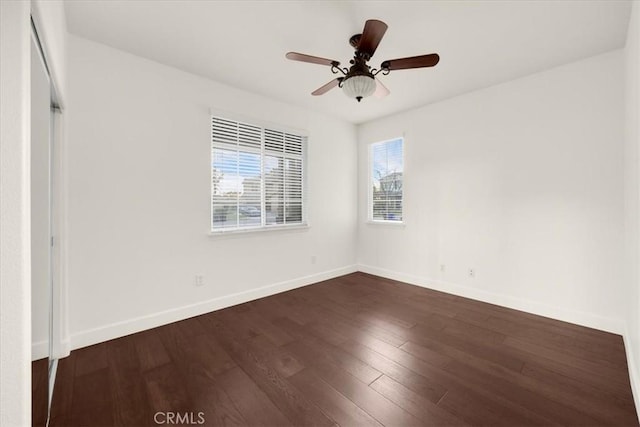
387	166
256	176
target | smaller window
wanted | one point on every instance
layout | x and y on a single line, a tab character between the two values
386	166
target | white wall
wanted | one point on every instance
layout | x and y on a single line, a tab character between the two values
521	182
139	141
631	195
15	290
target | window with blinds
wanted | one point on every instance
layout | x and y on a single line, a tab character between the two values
386	165
257	176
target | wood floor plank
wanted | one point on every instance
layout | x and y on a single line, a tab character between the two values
442	342
287	398
466	330
277	357
382	409
355	330
253	403
617	375
429	389
92	399
378	406
348	324
414	403
536	395
165	389
130	404
620	398
62	399
578	373
212	403
151	352
455	384
294	311
190	328
537	402
198	361
240	327
39	392
478	410
328	353
326	333
333	403
577	345
93	358
203	352
266	328
433	358
543	323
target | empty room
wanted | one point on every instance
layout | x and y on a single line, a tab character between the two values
320	213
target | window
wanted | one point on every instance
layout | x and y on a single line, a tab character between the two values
386	165
257	176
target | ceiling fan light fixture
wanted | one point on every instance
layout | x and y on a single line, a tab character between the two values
358	81
359	86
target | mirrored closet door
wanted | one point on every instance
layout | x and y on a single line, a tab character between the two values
43	107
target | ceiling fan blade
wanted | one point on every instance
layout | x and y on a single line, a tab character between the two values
371	36
295	56
326	88
381	90
412	62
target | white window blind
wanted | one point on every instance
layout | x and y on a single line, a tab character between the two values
257	176
386	164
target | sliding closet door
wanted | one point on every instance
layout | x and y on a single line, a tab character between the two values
40	234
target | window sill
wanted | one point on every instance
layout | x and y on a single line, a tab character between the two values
257	230
386	223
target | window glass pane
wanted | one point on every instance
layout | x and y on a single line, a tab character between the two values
274	190
250	210
225	186
387	175
293	211
256	176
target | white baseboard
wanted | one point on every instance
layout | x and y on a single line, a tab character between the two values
120	329
615	326
39	350
63	349
633	363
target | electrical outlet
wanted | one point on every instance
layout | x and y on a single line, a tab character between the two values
472	272
199	280
313	259
443	268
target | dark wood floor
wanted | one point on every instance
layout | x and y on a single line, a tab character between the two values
39	391
356	350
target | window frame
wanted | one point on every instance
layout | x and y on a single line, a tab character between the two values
263	153
370	219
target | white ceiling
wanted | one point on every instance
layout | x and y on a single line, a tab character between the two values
243	43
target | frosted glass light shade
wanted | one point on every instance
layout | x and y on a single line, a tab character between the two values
359	87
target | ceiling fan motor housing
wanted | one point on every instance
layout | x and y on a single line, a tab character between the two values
355	40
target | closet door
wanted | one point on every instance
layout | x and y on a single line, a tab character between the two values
40	234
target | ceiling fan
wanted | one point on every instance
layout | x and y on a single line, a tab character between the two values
359	80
